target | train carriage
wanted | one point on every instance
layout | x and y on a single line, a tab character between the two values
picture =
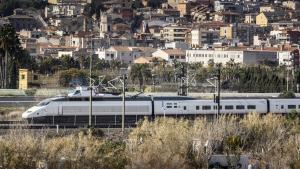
107	110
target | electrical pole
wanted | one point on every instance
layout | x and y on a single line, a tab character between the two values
123	106
219	89
91	94
91	87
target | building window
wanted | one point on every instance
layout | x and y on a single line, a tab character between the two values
23	77
35	77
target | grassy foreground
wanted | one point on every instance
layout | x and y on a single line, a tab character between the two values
165	143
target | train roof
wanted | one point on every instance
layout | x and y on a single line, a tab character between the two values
156	98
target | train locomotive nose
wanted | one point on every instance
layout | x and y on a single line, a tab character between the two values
29	113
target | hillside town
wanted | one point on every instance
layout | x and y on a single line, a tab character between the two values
204	32
149	84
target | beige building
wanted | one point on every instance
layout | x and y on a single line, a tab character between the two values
55	2
175	33
265	18
266	9
294	5
250	18
174	3
170	55
184	8
226	32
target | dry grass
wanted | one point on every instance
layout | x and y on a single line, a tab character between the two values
169	143
165	143
11	113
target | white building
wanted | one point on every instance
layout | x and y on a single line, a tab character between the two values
64	53
177	45
125	54
284	58
201	37
281	37
245	57
170	54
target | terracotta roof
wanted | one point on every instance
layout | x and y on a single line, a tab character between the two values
146	59
174	51
147	49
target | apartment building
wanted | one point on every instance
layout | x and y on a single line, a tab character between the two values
175	33
201	37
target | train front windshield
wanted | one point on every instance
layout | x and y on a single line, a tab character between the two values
44	103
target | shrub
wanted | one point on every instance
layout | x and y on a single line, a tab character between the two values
30	92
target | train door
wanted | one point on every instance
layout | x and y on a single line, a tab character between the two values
60	109
279	107
184	108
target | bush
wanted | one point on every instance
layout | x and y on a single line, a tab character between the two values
287	94
170	143
30	92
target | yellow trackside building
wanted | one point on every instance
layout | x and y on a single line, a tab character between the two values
27	79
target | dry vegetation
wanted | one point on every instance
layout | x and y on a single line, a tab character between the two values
11	113
165	143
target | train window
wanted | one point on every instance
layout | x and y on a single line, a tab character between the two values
291	106
251	107
206	107
228	107
184	107
240	107
197	107
175	105
299	107
75	99
216	107
282	106
169	105
44	102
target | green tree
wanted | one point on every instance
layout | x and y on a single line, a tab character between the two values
68	62
10	54
140	72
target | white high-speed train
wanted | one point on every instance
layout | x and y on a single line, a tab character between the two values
108	110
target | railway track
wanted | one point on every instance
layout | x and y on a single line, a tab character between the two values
26	125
